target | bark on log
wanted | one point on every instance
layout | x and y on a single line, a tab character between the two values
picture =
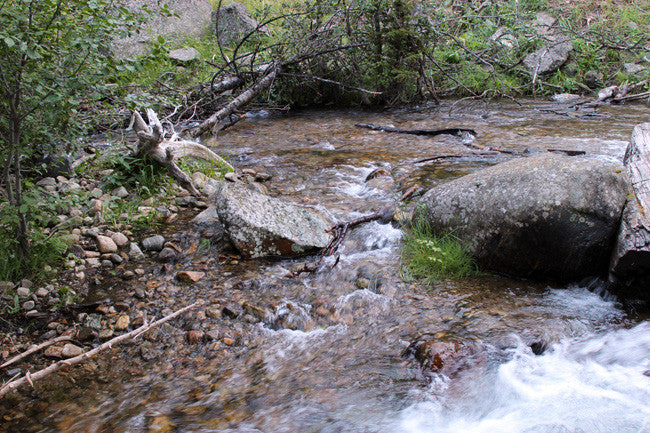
240	101
631	256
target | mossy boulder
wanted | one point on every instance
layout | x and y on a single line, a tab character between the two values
547	216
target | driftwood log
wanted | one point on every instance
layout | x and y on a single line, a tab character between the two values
631	256
153	143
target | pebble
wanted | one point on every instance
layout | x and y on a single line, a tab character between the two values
230	177
228	341
189	276
213	313
93	262
46	181
195	336
32	313
70	350
262	177
28	305
167	254
106	244
26	283
106	334
22	292
120	192
249	171
53	352
95	207
116	258
153	243
120	239
107	264
135	253
122	322
127	275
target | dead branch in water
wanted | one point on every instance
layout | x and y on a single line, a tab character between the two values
30	378
468	135
430	132
340	230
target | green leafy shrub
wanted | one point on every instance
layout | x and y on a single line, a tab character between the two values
432	257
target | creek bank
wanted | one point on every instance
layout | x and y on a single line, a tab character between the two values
548	216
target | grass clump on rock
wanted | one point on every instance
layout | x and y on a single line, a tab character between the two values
430	257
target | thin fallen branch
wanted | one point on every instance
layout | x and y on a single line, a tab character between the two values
34	349
30	378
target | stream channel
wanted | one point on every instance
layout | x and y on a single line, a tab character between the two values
324	352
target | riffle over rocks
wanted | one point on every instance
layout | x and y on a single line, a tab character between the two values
548	216
259	225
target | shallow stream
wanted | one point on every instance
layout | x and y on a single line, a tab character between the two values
325	352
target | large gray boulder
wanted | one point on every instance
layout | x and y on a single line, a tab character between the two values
190	18
232	22
259	225
547	216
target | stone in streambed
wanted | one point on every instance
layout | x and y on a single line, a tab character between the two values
259	225
547	216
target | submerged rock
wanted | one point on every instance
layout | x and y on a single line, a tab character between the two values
546	216
259	225
446	355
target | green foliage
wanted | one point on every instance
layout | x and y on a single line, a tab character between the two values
48	245
432	257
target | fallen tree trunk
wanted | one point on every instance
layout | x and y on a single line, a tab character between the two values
631	257
153	144
237	103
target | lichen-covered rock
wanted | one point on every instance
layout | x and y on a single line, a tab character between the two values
549	58
546	216
232	22
259	225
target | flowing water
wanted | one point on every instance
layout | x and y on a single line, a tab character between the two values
326	352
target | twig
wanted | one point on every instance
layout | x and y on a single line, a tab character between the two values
35	349
30	378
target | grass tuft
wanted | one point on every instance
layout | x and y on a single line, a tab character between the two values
432	257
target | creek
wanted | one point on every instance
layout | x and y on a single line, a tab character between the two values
324	352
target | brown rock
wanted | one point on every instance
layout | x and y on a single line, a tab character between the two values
120	239
53	351
189	276
122	322
195	336
106	245
228	341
